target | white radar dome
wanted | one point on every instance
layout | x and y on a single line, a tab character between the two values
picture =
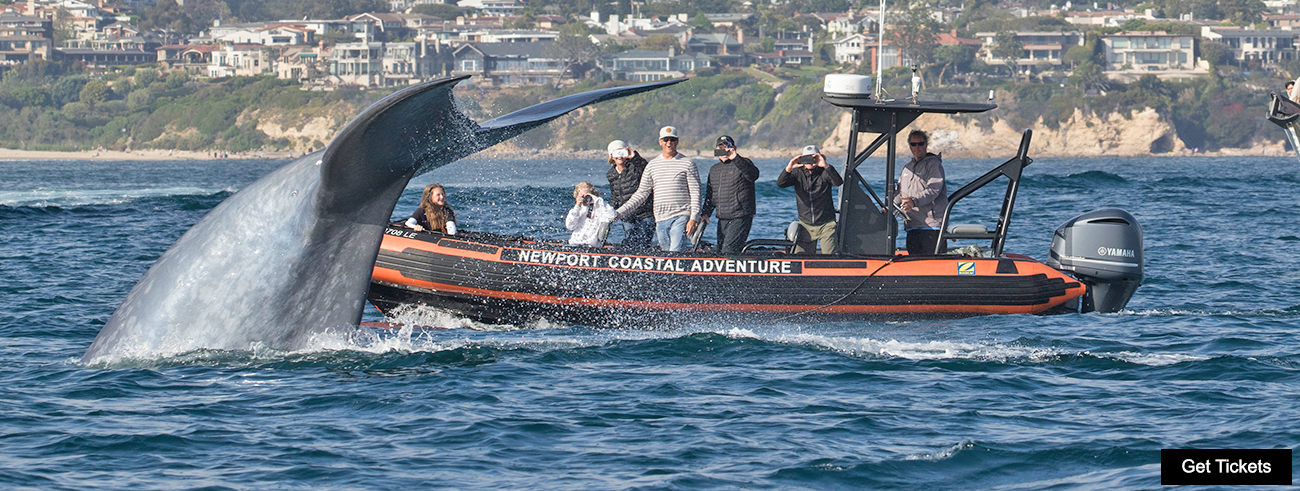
847	84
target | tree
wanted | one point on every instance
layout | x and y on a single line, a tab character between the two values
333	38
94	93
33	96
167	14
1242	12
525	21
702	21
574	46
145	76
63	29
1090	76
443	11
956	56
1200	9
659	42
826	6
1216	53
915	35
1076	55
1008	48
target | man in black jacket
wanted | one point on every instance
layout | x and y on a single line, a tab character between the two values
813	180
731	192
624	176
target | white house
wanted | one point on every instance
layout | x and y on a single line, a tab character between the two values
239	60
1267	45
851	48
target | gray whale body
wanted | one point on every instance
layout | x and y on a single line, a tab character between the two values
290	256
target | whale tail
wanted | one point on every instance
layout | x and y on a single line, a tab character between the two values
290	256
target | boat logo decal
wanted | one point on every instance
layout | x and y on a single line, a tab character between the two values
641	263
966	267
1112	251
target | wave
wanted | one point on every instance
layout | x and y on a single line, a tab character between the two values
424	336
66	198
1086	179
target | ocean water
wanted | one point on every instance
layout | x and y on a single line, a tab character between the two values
1207	355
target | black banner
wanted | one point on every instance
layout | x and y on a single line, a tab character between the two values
580	258
1225	466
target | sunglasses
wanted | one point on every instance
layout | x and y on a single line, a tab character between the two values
669	139
916	144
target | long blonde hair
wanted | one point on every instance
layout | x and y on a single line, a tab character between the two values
591	189
436	214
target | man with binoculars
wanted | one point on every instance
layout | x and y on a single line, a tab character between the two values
730	191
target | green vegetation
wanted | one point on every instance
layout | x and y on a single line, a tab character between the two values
1207	112
48	106
146	110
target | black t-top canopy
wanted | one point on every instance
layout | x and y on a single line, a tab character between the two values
875	114
864	227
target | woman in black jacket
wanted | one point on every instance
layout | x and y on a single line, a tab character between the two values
624	176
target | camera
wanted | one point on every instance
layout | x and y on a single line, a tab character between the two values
621	153
721	152
586	200
808	160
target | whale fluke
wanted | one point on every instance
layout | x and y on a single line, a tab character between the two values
289	257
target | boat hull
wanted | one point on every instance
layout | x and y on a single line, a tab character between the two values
499	279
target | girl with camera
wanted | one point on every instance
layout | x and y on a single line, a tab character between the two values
589	217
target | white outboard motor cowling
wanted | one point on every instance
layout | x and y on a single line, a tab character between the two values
1103	249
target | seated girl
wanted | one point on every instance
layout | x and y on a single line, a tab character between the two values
589	216
434	214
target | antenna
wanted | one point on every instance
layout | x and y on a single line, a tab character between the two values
880	52
916	82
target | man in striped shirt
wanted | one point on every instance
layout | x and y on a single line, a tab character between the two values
675	182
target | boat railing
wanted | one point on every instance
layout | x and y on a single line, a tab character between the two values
783	245
1282	111
1011	169
1286	114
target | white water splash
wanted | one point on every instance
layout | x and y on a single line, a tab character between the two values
433	317
919	350
40	198
1152	359
944	454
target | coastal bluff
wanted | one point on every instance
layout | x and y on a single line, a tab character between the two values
1143	133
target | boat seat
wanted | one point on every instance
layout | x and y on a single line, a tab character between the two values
968	231
785	245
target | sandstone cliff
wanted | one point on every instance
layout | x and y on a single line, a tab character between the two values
1083	135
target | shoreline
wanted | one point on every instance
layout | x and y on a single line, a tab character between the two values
113	155
510	151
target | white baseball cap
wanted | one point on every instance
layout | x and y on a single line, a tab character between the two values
810	150
667	131
615	145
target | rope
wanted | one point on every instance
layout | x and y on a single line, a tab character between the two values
842	297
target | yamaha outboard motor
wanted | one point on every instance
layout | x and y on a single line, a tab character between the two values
1103	249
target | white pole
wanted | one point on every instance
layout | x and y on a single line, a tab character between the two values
880	52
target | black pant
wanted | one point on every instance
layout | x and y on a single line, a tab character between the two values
733	233
922	241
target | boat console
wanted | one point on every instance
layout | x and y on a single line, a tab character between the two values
1112	270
